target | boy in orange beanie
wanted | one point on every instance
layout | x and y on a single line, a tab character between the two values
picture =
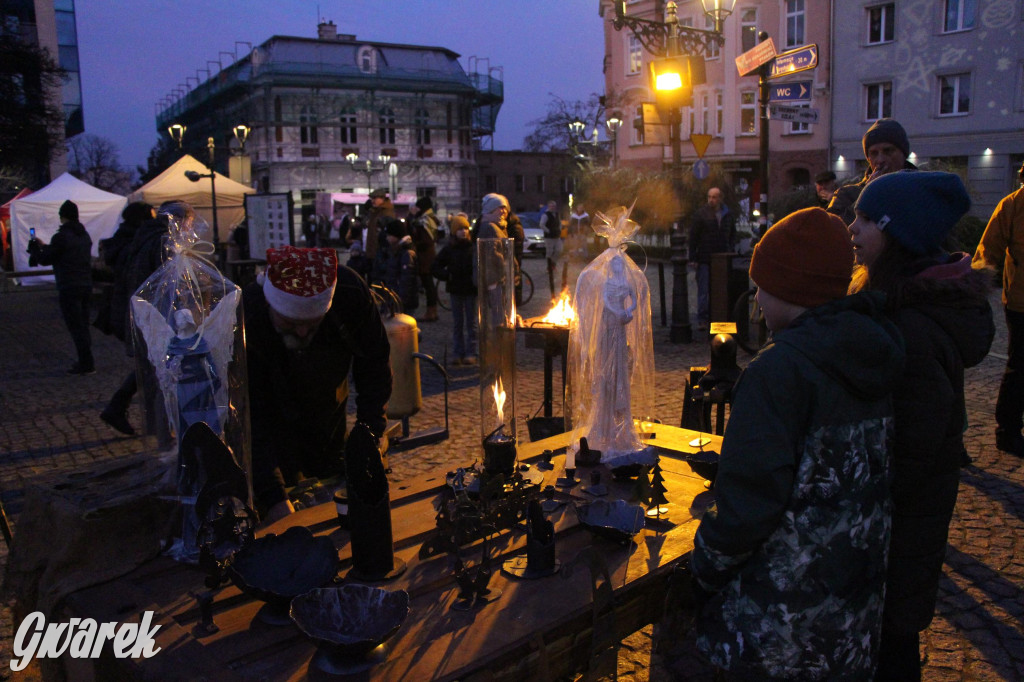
789	564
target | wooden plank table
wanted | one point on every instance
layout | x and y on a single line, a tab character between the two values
536	629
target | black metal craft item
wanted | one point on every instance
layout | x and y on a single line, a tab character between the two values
341	507
596	488
657	500
539	560
499	452
545	463
616	520
586	456
276	568
349	624
369	509
205	627
550	503
473	580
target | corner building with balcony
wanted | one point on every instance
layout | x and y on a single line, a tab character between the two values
319	109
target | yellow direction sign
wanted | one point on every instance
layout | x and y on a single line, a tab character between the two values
700	143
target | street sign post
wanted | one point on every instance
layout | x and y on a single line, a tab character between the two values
779	112
801	59
701	169
752	59
797	91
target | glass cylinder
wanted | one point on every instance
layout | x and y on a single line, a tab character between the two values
497	341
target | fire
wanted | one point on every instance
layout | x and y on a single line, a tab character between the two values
499	399
561	314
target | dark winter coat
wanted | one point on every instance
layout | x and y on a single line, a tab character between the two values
793	552
454	265
846	196
424	237
400	273
70	254
297	399
708	236
141	259
374	233
946	320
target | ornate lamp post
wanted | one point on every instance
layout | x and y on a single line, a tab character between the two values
367	166
677	67
239	165
613	123
196	177
177	133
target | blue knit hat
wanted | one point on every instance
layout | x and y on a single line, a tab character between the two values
917	208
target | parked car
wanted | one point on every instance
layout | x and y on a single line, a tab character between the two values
534	245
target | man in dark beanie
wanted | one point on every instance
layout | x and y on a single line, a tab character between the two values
69	252
886	148
423	230
400	273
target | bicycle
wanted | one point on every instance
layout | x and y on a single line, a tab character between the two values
751	328
521	299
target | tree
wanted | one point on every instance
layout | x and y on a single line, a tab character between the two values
551	133
94	159
31	115
163	154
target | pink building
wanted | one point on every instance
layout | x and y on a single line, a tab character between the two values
726	106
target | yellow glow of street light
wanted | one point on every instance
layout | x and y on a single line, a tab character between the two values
668	81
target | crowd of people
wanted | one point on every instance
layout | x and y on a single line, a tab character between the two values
839	471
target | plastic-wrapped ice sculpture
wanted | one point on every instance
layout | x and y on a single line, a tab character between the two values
611	352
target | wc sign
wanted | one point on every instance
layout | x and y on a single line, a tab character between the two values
797	91
82	638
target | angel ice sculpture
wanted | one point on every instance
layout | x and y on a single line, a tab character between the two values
611	352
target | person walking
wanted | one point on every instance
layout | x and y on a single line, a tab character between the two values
941	308
423	229
785	589
70	254
551	224
373	234
400	272
1003	242
712	230
454	265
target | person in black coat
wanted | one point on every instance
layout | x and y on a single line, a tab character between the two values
304	335
70	254
454	265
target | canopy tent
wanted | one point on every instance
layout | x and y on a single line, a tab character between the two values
98	211
172	184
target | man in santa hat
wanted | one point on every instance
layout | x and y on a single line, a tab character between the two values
306	320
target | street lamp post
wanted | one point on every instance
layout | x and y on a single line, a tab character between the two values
613	123
177	133
678	65
369	168
196	177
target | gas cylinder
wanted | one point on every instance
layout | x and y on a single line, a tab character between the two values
406	395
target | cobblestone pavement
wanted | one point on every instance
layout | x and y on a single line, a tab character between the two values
50	425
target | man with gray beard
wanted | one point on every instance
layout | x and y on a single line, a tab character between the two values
306	319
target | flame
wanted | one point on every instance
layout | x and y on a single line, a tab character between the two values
499	399
561	314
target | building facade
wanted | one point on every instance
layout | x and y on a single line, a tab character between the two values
320	109
950	71
726	106
529	180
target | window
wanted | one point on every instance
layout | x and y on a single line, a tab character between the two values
879	101
748	113
718	114
490	183
637	136
960	14
634	56
715	50
705	112
366	59
422	122
955	94
795	126
307	126
880	24
448	123
520	183
795	21
348	127
748	29
278	130
540	183
387	125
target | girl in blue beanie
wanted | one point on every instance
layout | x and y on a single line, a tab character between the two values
941	307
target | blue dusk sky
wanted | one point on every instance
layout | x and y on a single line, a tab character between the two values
134	52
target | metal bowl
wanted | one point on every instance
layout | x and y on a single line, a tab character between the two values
276	568
615	519
352	620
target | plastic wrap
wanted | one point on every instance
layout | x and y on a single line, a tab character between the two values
188	332
611	352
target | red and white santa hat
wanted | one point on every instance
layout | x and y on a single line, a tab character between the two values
299	283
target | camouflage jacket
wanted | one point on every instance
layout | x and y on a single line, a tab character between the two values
794	549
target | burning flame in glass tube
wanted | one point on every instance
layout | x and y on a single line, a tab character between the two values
499	400
561	314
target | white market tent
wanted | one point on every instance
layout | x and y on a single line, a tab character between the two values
98	211
173	185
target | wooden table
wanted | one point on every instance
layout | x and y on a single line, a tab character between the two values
536	629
